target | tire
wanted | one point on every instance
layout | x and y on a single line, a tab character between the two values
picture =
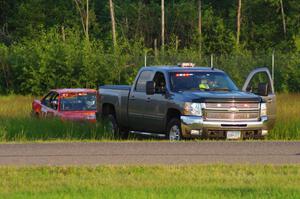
34	114
113	128
174	130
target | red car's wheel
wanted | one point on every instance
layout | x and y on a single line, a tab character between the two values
35	114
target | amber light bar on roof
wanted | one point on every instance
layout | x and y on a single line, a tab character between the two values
186	65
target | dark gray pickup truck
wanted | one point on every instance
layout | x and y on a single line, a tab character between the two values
190	102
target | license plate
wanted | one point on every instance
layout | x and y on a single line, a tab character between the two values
233	135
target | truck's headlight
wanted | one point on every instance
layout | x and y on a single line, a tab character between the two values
263	109
192	109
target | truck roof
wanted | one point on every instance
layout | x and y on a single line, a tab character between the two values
74	90
177	68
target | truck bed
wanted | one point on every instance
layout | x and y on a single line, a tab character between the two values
118	97
116	87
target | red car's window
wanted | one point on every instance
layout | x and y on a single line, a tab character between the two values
50	100
78	102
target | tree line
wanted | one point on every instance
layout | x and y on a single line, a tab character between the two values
85	43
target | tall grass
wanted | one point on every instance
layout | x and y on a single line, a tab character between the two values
287	124
15	106
17	125
26	129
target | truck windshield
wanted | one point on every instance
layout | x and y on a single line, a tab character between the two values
78	102
202	81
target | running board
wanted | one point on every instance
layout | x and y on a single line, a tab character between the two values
148	134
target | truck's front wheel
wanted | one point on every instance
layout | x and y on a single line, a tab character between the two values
174	130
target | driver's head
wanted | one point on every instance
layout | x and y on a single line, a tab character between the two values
204	81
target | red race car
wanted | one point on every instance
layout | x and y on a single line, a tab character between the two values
67	104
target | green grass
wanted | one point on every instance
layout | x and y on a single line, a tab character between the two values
287	126
26	129
17	125
206	181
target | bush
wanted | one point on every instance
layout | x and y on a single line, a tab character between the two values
50	61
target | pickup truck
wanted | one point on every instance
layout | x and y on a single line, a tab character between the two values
190	102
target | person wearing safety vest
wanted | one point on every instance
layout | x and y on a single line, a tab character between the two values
203	85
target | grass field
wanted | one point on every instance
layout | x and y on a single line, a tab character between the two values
287	125
17	125
207	181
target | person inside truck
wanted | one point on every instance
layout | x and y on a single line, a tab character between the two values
204	84
210	81
160	83
207	82
161	87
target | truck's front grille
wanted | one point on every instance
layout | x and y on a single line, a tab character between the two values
233	111
237	105
231	116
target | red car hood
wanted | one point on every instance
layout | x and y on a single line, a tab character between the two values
78	115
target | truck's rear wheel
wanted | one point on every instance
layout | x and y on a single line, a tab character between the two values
111	126
174	130
114	130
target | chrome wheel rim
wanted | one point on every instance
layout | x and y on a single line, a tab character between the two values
174	133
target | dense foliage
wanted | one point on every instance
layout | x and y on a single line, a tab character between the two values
43	44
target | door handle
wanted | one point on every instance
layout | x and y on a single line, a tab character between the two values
148	99
132	97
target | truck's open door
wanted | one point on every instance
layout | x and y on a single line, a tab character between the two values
260	82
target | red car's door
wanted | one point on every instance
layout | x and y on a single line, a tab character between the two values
49	105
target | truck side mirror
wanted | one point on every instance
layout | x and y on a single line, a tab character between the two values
150	88
263	89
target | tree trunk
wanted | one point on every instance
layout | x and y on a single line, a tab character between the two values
113	22
87	20
84	15
200	26
63	33
155	48
238	32
77	2
163	24
176	44
283	18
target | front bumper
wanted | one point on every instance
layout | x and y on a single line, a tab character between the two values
195	126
